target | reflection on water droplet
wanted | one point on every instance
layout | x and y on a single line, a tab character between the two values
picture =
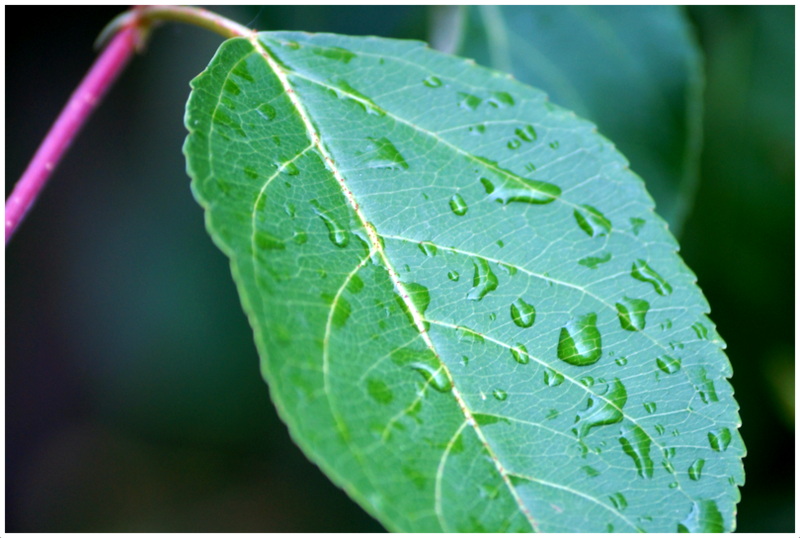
621	361
428	248
696	469
593	262
552	378
453	275
382	153
337	234
458	205
522	314
643	272
704	517
619	501
500	395
483	281
592	221
636	444
631	313
579	342
600	412
266	111
520	354
668	365
433	375
719	439
432	82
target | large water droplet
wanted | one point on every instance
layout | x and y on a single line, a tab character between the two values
619	501
696	469
435	376
632	313
528	191
552	378
643	272
592	221
719	439
520	354
500	395
336	233
668	365
522	314
579	343
383	154
602	411
636	444
428	248
458	205
704	517
483	281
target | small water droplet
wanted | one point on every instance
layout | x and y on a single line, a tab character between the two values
382	153
487	185
300	237
514	144
483	281
554	144
553	413
704	386
592	221
500	395
428	248
659	429
579	342
500	243
477	129
619	501
341	309
501	100
593	262
379	391
433	376
696	469
636	444
458	205
432	82
719	439
644	273
337	234
636	225
468	101
600	412
668	365
266	111
266	241
492	316
704	517
590	471
231	87
700	330
673	485
522	314
552	378
250	172
453	275
650	407
621	361
520	354
334	53
291	169
631	313
587	381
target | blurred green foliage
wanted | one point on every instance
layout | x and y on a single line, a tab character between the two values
133	397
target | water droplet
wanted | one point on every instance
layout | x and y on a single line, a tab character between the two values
522	314
487	185
241	71
300	237
433	376
621	361
619	501
464	360
659	429
250	172
379	391
231	87
453	275
636	225
291	169
590	471
501	100
266	111
552	378
428	248
526	134
528	191
500	243
406	268
553	413
514	144
341	309
696	469
704	517
266	241
593	262
587	381
334	53
704	385
719	439
419	295
700	330
600	412
477	129
468	335
432	82
632	313
500	395
636	444
520	354
458	205
290	209
592	221
554	144
383	154
483	281
579	343
668	365
650	407
643	272
338	235
468	101
347	92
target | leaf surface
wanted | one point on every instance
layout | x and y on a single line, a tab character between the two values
467	312
635	71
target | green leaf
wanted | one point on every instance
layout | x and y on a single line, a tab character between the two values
635	71
407	232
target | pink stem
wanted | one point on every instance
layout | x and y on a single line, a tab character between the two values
80	105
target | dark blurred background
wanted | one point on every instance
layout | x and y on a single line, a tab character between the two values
134	400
